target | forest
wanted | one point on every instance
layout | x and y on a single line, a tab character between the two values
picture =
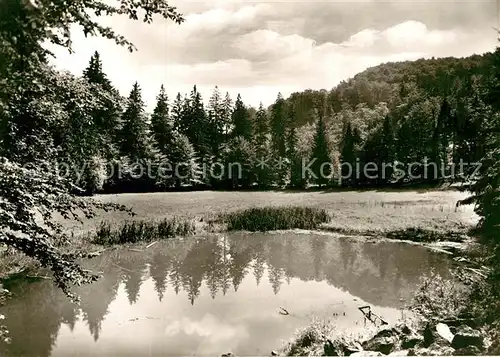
432	112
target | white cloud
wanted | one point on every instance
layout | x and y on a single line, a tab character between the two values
413	33
408	32
257	50
364	38
270	45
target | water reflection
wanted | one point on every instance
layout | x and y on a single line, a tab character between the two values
177	294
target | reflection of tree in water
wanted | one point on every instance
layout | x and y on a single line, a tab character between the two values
347	253
158	270
259	267
276	277
69	315
175	276
95	298
215	268
277	262
193	269
318	245
241	256
133	266
224	276
34	318
289	249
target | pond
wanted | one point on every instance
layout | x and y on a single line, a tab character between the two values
216	294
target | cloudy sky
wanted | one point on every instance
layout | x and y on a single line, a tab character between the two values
261	48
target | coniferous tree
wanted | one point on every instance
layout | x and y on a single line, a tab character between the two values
106	118
186	169
379	154
185	122
240	159
322	166
227	107
242	125
261	127
440	140
94	73
163	136
105	126
263	155
349	154
278	123
278	126
297	179
196	123
134	133
176	113
161	126
216	125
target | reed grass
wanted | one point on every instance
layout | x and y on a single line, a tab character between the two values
275	218
143	231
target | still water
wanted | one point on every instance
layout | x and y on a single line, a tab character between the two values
217	294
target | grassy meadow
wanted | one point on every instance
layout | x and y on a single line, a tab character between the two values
351	211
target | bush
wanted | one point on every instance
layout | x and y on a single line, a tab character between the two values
309	340
275	218
143	231
439	298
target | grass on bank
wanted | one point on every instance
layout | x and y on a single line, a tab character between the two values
143	231
422	235
275	218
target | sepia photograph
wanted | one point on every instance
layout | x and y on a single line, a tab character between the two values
235	178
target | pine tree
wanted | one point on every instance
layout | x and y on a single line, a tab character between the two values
263	154
227	106
161	127
216	126
185	122
278	123
196	124
322	166
261	127
278	126
379	150
239	162
134	138
440	140
106	118
176	113
297	178
94	73
349	154
242	125
186	169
